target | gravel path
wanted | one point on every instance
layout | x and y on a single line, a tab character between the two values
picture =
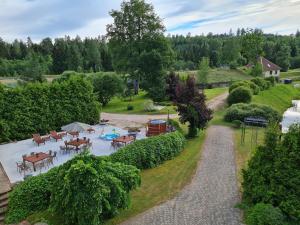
211	196
133	120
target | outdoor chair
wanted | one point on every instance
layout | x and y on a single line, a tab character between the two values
22	167
50	152
40	165
54	156
55	135
24	156
38	140
32	153
49	161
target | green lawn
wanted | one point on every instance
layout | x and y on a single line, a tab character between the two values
119	105
291	74
221	75
158	184
279	97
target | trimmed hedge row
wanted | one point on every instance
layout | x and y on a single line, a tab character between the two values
240	111
41	107
151	152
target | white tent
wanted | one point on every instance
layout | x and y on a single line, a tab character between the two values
76	126
291	116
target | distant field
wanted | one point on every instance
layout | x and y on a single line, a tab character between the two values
221	75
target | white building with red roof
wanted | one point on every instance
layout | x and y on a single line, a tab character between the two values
269	69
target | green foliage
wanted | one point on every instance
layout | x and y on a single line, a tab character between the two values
30	196
263	84
264	214
148	106
255	89
237	123
252	45
256	70
83	184
273	175
283	57
130	107
107	86
176	125
39	108
202	74
241	111
151	152
239	95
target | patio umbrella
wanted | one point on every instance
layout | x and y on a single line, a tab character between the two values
76	126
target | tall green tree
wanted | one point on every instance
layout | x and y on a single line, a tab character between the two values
203	71
283	57
231	51
135	31
252	45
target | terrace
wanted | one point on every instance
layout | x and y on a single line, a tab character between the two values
12	153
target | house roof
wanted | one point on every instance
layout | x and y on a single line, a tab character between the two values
267	65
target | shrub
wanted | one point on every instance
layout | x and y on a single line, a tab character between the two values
93	189
148	106
241	111
255	89
264	214
130	107
237	123
261	83
151	152
30	196
272	80
176	125
238	95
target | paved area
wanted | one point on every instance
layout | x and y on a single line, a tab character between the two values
211	197
5	185
133	120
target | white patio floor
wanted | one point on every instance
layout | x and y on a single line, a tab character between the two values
12	152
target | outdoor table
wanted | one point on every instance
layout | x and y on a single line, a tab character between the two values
74	133
77	142
36	158
124	139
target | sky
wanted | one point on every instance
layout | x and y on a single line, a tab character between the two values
88	18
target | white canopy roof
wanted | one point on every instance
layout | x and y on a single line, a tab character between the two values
76	126
291	116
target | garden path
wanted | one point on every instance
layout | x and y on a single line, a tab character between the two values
133	120
211	197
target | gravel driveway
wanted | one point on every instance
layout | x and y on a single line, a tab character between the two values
211	197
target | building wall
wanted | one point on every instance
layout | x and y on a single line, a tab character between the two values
272	73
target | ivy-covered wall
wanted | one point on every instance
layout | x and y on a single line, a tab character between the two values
41	107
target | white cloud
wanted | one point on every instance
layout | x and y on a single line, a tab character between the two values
41	18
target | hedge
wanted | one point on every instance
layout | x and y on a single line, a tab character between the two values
48	191
150	152
41	107
242	110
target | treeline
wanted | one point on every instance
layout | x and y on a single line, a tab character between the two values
94	54
54	56
230	49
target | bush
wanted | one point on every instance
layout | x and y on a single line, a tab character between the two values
237	123
272	80
241	111
151	152
30	196
148	106
130	107
255	89
264	214
262	83
41	107
238	95
175	125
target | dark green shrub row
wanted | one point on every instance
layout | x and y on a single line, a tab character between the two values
151	152
241	111
240	94
273	177
41	107
83	190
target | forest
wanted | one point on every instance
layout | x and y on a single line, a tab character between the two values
26	58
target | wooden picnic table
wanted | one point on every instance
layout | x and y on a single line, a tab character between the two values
124	139
78	142
36	158
91	130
